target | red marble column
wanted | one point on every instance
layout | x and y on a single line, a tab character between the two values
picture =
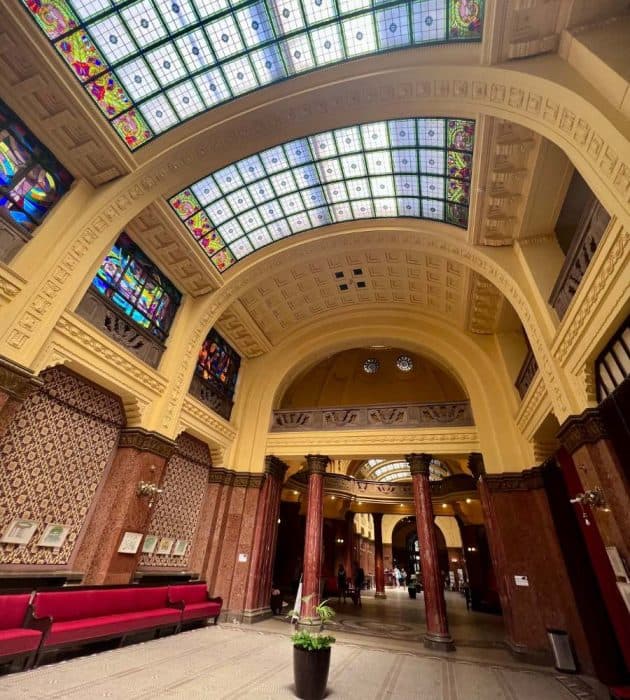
437	635
379	570
259	584
348	552
16	384
316	468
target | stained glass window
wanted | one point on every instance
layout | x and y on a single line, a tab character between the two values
218	364
151	64
382	470
137	287
405	167
31	179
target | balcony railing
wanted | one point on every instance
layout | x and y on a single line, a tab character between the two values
212	396
583	246
11	239
527	374
345	486
109	319
421	415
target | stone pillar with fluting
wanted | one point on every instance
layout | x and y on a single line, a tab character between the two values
437	635
316	468
379	570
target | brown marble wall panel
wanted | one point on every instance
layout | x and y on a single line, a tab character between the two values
220	498
241	570
55	454
119	511
530	545
387	556
177	510
203	537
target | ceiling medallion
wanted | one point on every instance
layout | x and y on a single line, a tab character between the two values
371	365
404	363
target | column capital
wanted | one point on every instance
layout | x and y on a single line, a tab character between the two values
17	381
275	467
419	463
147	441
316	464
577	431
476	464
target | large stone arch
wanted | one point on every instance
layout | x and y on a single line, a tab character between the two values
469	359
544	94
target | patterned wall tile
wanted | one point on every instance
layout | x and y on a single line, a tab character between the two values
52	459
178	508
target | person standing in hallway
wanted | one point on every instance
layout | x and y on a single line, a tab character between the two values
341	583
359	579
396	577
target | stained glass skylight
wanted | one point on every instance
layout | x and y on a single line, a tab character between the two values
406	167
382	470
152	64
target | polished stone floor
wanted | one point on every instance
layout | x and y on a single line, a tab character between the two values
377	656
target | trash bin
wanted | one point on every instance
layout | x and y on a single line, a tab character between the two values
411	589
562	651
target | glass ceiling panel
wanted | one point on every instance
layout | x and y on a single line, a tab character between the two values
152	64
351	173
399	471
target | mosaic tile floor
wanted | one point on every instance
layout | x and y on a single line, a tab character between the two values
235	661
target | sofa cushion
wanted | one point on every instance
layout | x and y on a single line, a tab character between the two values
13	610
201	610
109	625
192	593
18	641
77	605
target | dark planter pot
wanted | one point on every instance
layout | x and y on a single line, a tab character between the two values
412	591
310	672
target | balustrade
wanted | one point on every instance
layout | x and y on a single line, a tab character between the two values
527	374
421	415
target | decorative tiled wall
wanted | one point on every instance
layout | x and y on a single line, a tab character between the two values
53	457
177	510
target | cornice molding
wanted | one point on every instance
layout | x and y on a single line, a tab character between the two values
147	441
228	477
17	381
581	430
419	463
528	480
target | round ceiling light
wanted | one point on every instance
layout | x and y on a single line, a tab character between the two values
404	363
371	365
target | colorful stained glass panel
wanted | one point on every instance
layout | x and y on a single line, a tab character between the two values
109	95
218	363
179	58
351	173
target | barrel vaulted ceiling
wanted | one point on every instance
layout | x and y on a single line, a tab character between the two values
114	79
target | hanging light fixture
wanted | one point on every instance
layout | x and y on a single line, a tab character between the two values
371	365
404	363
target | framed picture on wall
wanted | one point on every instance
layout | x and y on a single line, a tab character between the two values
149	544
130	542
54	535
180	548
19	531
164	545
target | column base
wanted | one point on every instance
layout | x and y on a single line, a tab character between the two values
256	615
439	642
380	594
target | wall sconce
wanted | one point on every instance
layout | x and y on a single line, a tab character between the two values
339	540
593	498
148	489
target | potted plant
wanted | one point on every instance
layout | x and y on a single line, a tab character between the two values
311	654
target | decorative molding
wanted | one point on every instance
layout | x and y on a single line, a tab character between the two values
485	306
316	464
228	477
194	413
528	480
242	332
581	430
534	406
10	284
17	381
147	441
424	415
11	240
275	467
419	463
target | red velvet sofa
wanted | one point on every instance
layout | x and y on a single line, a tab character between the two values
87	615
197	603
16	641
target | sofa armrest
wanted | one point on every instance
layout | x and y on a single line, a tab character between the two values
218	600
31	621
